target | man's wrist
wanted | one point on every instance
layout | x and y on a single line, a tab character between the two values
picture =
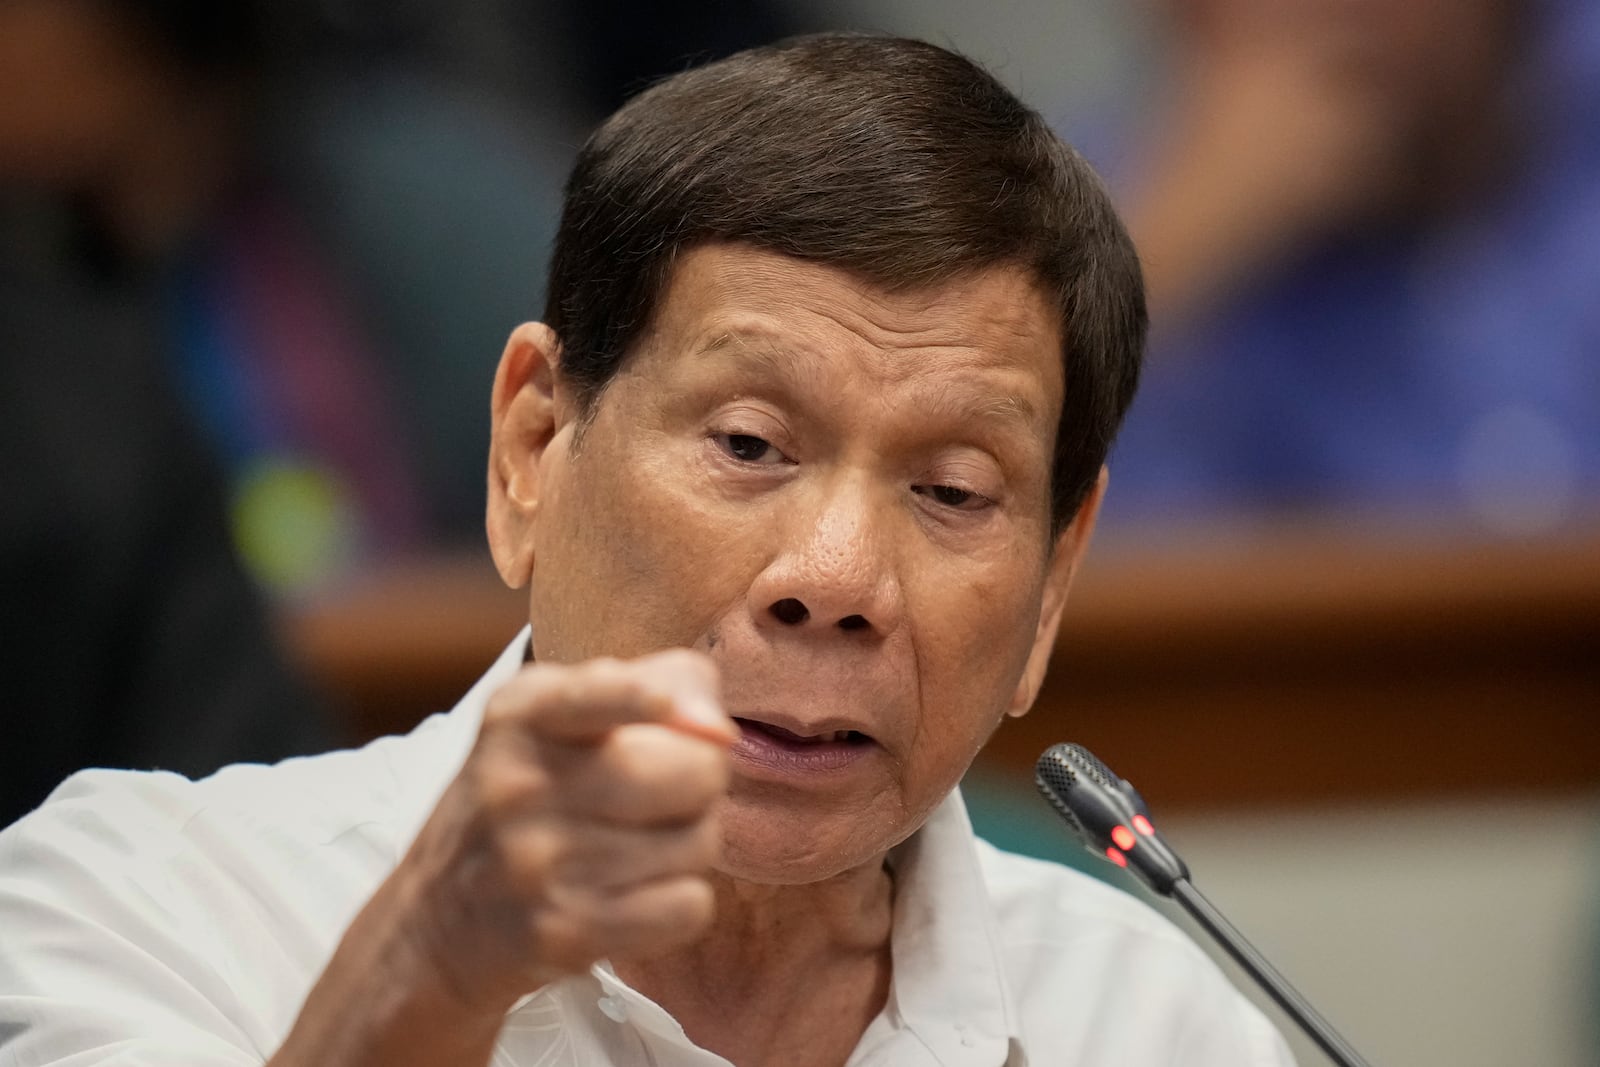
382	1002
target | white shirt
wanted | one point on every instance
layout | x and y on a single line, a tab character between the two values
149	920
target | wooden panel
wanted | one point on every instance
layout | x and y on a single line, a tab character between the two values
395	647
1245	666
1301	667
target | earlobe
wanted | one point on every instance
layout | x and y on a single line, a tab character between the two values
524	418
1065	557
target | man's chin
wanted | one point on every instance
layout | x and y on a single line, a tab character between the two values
765	847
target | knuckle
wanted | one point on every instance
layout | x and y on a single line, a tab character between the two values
702	773
532	860
509	787
529	693
587	859
543	690
664	771
508	702
576	867
607	671
564	938
634	753
614	682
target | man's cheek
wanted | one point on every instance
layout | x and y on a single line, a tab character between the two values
991	639
979	611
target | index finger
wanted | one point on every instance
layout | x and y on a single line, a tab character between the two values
584	702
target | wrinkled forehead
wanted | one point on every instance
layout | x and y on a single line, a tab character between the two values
777	312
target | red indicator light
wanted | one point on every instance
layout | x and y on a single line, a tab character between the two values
1142	824
1116	857
1123	837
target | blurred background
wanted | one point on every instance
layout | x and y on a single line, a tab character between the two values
1342	626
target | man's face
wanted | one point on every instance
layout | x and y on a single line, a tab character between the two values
839	494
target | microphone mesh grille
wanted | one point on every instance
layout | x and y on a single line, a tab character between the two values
1055	777
1090	764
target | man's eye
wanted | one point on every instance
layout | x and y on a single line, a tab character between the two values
951	496
748	447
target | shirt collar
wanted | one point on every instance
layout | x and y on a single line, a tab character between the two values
949	984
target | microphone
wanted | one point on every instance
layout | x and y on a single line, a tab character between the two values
1111	819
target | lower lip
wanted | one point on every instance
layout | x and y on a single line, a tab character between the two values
760	750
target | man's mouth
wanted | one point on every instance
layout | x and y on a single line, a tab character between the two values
790	737
800	752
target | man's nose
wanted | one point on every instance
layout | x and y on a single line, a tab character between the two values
838	569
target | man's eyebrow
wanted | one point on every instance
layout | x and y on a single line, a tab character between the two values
757	343
1005	408
947	399
768	351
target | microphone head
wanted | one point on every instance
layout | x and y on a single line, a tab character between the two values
1056	774
1087	763
1107	814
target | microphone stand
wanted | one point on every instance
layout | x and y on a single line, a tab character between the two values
1112	820
1266	975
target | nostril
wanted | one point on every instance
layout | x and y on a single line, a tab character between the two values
853	622
789	611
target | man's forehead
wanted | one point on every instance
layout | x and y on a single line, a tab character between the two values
756	346
763	306
738	268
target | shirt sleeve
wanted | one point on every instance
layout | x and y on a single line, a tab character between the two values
113	942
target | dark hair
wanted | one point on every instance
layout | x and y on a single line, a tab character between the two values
898	161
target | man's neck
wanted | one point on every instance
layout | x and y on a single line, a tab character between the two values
787	974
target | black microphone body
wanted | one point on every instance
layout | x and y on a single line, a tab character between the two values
1110	817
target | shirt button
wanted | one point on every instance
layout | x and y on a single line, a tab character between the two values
612	1008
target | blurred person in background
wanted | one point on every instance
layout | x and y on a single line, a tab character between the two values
199	403
131	635
1372	233
294	187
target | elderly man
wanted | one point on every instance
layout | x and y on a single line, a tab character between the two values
797	473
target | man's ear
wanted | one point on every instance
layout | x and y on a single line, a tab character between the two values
525	411
1065	556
